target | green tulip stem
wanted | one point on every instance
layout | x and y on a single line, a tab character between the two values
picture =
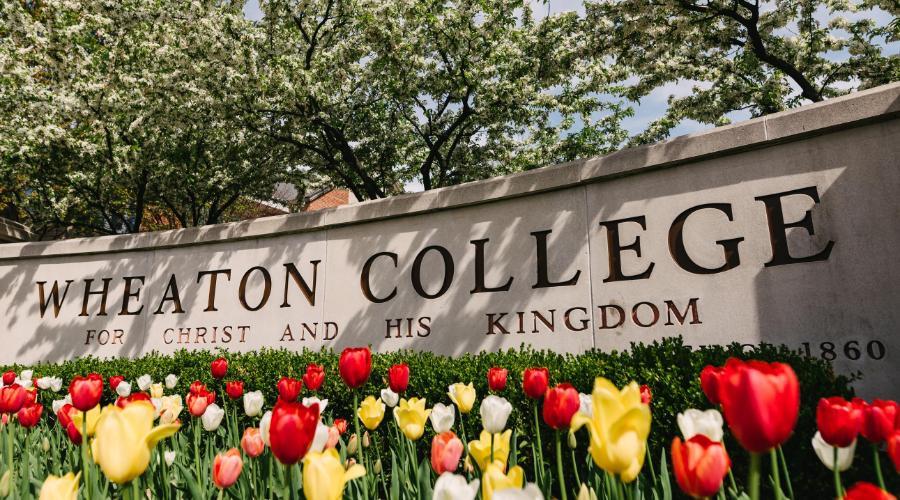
135	491
10	439
877	461
776	474
462	430
289	482
786	472
753	476
84	460
575	469
221	494
359	444
492	448
838	488
539	467
559	468
381	474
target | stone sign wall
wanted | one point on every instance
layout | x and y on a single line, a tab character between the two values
782	229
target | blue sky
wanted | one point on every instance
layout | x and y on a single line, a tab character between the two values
652	106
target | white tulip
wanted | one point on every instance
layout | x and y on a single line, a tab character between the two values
825	452
59	403
320	439
123	389
264	424
494	413
390	397
144	382
157	405
307	402
171	381
253	403
43	383
450	486
170	457
55	384
708	423
442	417
585	404
26	383
212	417
26	374
529	492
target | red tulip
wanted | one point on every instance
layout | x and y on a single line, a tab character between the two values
291	430
398	377
497	378
64	416
197	403
227	468
12	398
86	391
9	377
709	382
839	421
252	442
446	449
314	376
355	365
879	419
133	397
30	396
197	387
646	395
893	449
29	416
867	491
560	405
218	368
114	381
535	382
341	425
234	389
760	402
700	465
289	389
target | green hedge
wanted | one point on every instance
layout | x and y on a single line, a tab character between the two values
669	367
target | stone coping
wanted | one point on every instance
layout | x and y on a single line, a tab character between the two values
855	109
13	231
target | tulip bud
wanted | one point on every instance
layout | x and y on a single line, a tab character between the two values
378	466
573	442
366	440
4	484
586	493
352	445
45	445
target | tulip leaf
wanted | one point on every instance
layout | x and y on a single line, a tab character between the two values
192	485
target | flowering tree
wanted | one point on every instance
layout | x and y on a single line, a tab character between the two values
376	93
110	113
761	56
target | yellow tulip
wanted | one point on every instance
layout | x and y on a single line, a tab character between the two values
124	439
93	415
371	411
60	488
480	450
618	428
463	396
169	408
156	391
495	480
411	416
324	475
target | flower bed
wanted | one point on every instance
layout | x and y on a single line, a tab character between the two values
198	408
